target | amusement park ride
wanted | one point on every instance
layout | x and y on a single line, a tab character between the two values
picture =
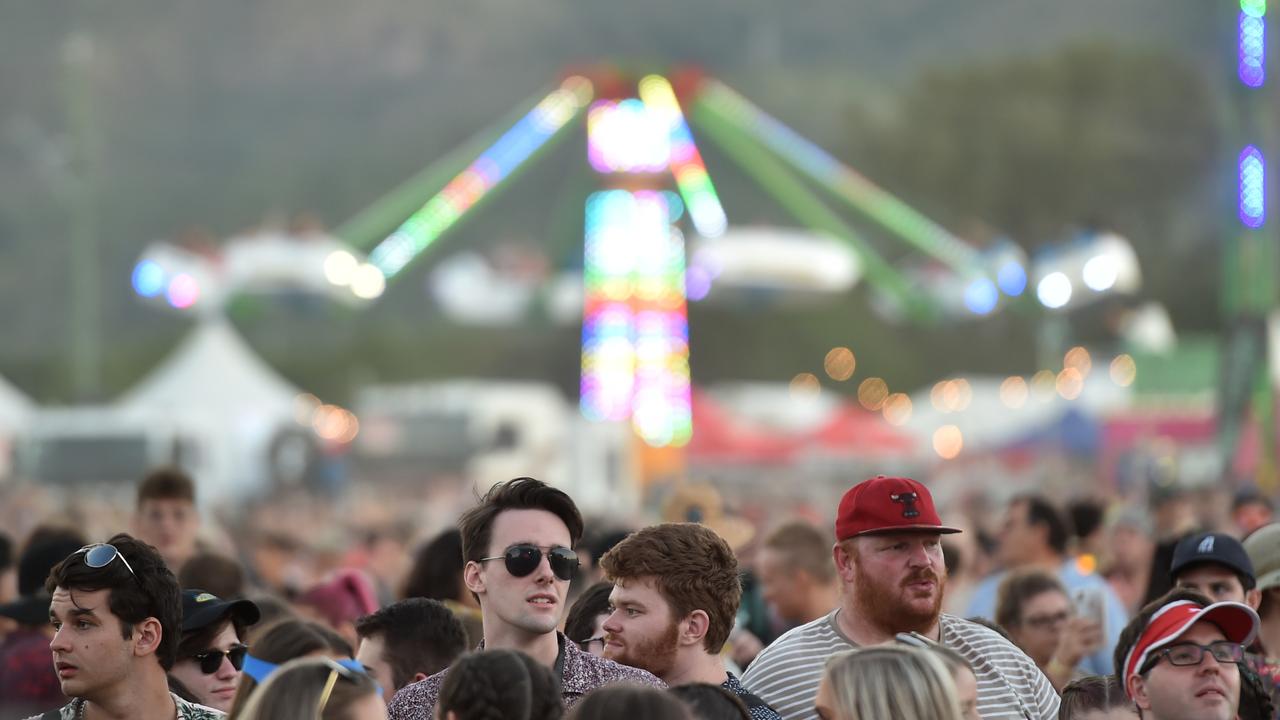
655	208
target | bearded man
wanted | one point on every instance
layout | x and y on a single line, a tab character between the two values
676	590
888	555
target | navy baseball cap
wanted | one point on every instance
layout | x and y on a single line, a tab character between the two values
1216	548
201	609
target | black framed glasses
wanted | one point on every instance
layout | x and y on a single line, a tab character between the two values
1046	622
100	555
1184	654
586	644
210	660
522	560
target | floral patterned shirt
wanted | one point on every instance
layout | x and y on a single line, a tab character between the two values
74	710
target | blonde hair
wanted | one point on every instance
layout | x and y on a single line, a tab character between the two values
891	681
295	690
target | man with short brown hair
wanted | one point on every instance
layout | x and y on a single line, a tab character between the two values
675	597
796	574
166	516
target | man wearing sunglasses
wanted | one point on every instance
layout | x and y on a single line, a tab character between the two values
518	547
115	611
673	604
212	650
1179	658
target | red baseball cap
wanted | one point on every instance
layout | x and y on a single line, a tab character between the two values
1238	622
887	504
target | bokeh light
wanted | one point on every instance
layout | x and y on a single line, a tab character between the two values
980	296
1070	383
1013	392
1044	385
948	441
335	424
805	386
897	409
1253	188
1101	273
872	393
1054	290
951	395
840	364
1123	370
368	282
1078	357
1012	279
183	291
148	278
1251	44
340	267
691	175
626	136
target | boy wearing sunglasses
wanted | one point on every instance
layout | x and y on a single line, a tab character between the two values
115	611
518	548
212	651
1179	659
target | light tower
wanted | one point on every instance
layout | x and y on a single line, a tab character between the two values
1249	267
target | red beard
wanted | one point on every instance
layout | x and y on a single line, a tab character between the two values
657	656
885	607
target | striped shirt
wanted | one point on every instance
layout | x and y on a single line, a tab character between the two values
786	674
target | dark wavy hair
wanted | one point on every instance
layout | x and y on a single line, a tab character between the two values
712	702
498	685
591	604
437	568
418	636
623	700
522	493
150	591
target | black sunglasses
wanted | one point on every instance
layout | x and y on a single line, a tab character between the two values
524	559
211	660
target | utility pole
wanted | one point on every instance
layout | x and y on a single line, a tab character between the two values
82	203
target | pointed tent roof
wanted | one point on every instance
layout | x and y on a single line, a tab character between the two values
15	407
213	371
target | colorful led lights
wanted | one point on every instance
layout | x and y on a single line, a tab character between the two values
148	279
627	136
1253	201
1252	49
690	172
635	351
1054	291
492	167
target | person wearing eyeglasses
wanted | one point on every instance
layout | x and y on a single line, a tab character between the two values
116	611
316	689
676	590
1179	658
1033	607
518	546
585	622
212	651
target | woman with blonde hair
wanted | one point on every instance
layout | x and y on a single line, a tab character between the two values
316	689
887	681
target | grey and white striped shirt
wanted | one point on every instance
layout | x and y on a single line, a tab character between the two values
1010	686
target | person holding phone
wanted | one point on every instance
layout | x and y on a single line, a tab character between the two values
1055	632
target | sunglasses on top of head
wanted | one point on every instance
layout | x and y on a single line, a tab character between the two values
523	559
210	660
100	555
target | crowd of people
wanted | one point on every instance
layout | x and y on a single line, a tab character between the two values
521	611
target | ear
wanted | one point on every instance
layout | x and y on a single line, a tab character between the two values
472	578
147	635
419	677
694	627
1253	598
1137	686
844	559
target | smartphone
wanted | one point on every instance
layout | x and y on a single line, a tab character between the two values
1091	603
